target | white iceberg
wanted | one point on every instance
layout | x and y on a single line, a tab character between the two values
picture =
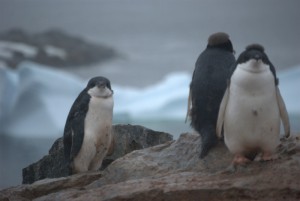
164	100
35	100
289	85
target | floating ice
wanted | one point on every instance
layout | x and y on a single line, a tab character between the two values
289	85
35	100
164	100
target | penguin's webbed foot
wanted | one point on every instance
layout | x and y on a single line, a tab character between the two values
267	156
240	160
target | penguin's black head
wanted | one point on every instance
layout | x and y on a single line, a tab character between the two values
99	81
99	86
255	52
220	40
255	59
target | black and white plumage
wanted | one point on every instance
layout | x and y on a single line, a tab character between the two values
208	85
252	107
87	133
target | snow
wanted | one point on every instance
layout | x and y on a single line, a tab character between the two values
35	100
52	51
7	49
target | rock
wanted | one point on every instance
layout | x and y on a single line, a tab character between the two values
172	157
173	171
47	186
50	166
54	48
127	139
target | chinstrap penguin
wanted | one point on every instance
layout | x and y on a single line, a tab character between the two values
252	107
87	134
209	81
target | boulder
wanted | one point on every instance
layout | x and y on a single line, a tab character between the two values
173	171
127	139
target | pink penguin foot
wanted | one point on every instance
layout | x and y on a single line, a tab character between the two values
267	156
240	160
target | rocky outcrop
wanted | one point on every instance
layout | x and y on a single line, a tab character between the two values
53	48
127	139
173	171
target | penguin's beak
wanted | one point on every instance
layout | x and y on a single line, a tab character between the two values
101	85
257	57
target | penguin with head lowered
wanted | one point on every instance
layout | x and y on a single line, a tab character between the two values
252	107
207	87
87	134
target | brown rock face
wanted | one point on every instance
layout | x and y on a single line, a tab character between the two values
173	171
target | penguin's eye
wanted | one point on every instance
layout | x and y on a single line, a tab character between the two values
244	58
265	60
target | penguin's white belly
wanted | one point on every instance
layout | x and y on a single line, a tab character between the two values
252	120
97	134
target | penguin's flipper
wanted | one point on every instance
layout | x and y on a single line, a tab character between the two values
283	113
77	136
221	114
189	106
74	128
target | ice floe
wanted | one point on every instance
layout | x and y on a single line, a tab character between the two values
35	99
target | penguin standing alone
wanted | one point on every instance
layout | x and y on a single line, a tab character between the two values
252	107
208	85
87	133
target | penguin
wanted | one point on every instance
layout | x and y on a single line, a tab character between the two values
252	107
87	133
209	81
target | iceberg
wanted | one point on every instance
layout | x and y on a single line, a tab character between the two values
35	99
164	100
289	85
